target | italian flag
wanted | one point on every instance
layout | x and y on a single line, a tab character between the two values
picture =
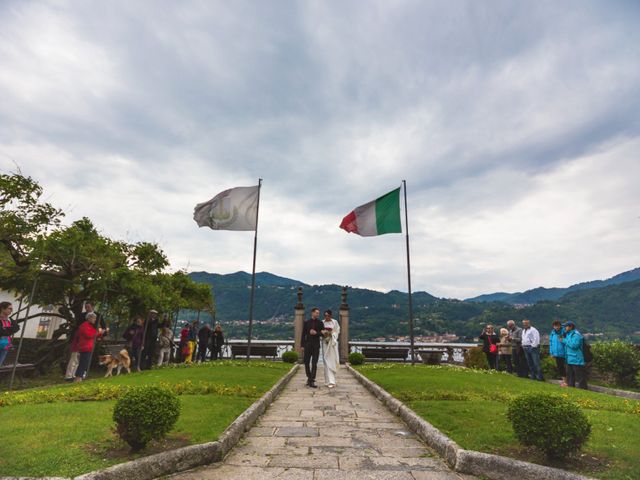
378	217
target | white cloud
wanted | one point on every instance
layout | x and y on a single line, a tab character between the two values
515	126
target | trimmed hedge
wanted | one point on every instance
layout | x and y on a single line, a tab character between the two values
552	424
144	414
356	358
475	358
290	357
618	360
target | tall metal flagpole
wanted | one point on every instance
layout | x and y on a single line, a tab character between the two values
406	224
253	274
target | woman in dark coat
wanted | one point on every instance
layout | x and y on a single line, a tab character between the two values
490	342
217	341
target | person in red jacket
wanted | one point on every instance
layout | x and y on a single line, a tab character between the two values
87	334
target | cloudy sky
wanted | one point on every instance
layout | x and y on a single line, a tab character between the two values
515	124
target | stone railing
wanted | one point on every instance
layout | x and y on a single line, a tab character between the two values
447	352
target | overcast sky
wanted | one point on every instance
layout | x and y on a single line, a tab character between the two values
515	123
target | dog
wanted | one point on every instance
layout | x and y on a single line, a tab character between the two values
118	360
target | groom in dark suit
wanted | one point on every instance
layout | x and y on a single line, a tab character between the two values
311	343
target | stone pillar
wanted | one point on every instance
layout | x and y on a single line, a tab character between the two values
298	322
344	328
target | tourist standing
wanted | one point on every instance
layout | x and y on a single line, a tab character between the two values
330	356
217	341
557	350
531	346
192	341
8	328
204	335
74	359
165	343
517	352
87	334
490	342
133	336
504	350
150	340
574	357
100	323
311	345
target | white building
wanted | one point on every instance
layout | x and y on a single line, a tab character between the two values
39	327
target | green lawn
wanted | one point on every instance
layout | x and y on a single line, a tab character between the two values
470	407
67	438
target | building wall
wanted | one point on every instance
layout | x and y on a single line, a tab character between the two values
41	327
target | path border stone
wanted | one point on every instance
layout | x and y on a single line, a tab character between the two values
494	467
185	458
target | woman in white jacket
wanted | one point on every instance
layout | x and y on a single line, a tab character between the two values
330	356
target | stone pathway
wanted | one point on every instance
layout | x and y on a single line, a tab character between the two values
339	434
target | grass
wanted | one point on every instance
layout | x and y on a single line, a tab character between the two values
68	438
470	407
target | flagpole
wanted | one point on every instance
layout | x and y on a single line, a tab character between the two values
406	223
253	274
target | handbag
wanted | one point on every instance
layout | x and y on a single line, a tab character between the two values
493	348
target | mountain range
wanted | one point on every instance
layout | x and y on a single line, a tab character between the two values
541	293
610	308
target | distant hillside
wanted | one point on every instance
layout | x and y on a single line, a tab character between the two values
535	295
613	310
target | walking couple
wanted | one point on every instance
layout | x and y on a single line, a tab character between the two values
320	334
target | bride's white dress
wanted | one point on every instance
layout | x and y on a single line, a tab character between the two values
330	355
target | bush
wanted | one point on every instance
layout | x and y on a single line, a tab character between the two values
618	360
290	357
549	368
356	358
550	423
145	413
475	358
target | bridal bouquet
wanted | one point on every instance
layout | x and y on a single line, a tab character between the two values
327	332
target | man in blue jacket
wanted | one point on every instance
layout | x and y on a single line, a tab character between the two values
574	357
556	350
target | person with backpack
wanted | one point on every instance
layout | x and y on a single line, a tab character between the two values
557	350
574	357
490	342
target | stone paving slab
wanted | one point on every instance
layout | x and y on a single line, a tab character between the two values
320	434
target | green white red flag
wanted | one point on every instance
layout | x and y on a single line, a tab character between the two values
377	217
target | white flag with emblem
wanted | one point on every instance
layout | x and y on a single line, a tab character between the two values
233	209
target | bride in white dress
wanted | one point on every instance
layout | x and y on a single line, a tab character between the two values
330	356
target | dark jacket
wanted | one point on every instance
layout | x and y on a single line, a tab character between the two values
204	334
487	340
9	328
217	340
308	340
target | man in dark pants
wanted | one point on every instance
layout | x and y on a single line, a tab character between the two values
311	344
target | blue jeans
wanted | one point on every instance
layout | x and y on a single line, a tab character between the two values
3	355
532	354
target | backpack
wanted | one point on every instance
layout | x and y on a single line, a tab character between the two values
586	351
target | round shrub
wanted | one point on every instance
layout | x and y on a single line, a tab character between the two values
549	368
145	413
617	360
356	358
290	357
550	423
475	358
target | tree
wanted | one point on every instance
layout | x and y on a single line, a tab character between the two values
75	263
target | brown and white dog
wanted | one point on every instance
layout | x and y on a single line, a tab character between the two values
118	360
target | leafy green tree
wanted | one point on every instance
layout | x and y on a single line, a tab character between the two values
75	263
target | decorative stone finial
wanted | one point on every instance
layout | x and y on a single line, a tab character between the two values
300	305
344	305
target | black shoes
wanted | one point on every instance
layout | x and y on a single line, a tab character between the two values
311	384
